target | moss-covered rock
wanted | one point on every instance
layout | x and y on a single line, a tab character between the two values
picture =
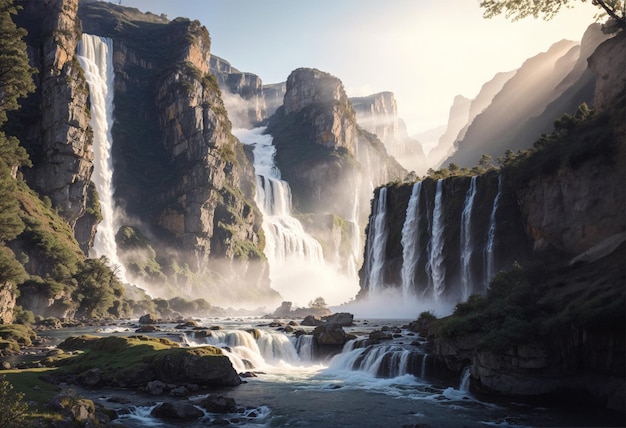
136	360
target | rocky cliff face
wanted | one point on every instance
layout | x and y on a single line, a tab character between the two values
7	303
242	93
378	114
56	123
568	202
321	151
179	172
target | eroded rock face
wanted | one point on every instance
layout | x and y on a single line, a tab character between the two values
7	303
57	134
608	63
573	210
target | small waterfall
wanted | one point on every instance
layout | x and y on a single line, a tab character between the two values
436	257
383	361
285	237
95	55
246	352
410	242
305	347
466	240
464	384
423	367
491	237
376	242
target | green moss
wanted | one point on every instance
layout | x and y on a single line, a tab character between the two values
17	333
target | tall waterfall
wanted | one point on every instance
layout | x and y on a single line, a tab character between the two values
491	236
435	266
466	240
375	247
298	270
95	55
410	241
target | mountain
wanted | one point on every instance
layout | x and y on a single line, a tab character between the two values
523	106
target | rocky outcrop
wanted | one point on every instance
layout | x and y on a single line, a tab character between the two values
56	123
378	114
7	302
322	152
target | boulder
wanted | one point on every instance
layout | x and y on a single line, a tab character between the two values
219	404
91	377
312	321
156	387
177	410
330	334
148	319
342	318
378	335
148	328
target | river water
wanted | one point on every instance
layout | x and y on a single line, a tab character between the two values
386	385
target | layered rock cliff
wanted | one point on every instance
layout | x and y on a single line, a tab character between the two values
378	114
180	175
55	123
243	94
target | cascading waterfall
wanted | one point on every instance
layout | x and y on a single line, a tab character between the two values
95	55
285	237
466	240
410	241
384	361
491	236
298	269
375	251
435	264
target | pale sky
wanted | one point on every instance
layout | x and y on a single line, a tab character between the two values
425	51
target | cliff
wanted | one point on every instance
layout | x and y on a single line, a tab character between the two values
378	114
243	94
321	150
54	123
550	325
179	173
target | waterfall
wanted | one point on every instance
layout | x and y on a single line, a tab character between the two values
436	257
491	236
376	242
410	241
384	361
95	55
423	367
466	240
297	267
304	345
285	237
245	352
464	384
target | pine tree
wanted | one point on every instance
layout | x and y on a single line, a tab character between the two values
15	72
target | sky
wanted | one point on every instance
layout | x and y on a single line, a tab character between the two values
424	51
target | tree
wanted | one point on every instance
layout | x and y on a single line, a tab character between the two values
318	303
12	408
15	72
547	9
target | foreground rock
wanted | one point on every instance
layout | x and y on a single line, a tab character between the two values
138	361
177	410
